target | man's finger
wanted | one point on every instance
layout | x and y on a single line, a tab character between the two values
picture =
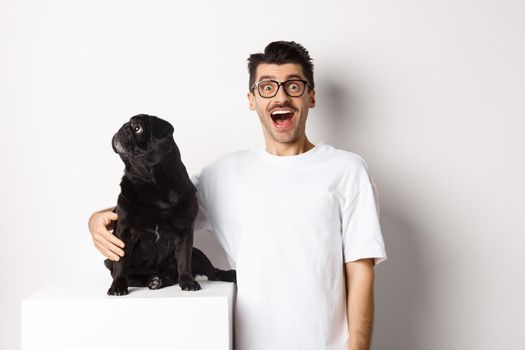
113	239
106	252
104	240
110	217
108	244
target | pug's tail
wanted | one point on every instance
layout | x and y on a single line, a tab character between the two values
223	275
201	265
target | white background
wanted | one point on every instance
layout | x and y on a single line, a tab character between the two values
430	93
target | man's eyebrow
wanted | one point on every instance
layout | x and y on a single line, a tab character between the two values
266	77
294	76
272	77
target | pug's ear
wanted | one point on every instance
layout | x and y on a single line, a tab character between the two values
160	128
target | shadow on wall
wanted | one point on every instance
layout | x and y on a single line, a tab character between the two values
400	285
400	291
207	242
337	108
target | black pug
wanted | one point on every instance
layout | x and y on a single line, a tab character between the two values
156	209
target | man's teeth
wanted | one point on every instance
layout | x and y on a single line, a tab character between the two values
281	112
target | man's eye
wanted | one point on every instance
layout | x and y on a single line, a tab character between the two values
293	86
267	87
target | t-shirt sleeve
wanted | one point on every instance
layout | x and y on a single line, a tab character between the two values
361	230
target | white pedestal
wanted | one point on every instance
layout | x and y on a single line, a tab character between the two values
81	316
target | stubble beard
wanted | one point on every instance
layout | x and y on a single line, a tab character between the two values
287	138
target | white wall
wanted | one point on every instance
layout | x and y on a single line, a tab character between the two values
430	93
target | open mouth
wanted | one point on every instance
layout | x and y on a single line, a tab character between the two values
282	118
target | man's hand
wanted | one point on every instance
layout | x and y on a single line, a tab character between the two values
99	225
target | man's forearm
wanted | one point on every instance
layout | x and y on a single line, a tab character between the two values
360	303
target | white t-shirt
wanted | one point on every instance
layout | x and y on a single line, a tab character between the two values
287	224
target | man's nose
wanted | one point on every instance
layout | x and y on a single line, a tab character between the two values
282	95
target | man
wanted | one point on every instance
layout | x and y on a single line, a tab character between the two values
298	221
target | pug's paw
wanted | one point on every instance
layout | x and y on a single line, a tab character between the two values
119	287
155	282
189	283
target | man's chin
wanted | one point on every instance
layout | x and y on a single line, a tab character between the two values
288	137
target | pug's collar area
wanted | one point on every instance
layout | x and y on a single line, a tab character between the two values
130	203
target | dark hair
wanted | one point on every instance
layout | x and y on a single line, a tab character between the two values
281	52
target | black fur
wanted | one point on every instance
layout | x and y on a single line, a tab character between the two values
157	208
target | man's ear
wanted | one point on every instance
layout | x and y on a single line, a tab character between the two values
251	101
311	98
160	128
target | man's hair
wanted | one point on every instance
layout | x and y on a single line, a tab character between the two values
281	52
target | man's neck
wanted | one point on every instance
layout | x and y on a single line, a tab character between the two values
289	149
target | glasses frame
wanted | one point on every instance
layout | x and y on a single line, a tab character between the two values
279	84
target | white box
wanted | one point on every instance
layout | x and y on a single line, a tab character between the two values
78	316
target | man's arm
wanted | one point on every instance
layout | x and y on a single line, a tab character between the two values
360	302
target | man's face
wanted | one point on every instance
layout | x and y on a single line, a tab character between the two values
282	117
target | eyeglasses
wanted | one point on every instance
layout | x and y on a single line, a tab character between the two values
269	88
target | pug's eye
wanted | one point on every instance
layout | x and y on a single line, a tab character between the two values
137	129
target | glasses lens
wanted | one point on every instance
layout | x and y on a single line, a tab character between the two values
268	88
294	87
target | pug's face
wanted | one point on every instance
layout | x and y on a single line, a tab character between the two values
144	141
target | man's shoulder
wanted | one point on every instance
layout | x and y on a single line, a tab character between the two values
227	162
350	169
229	158
346	159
